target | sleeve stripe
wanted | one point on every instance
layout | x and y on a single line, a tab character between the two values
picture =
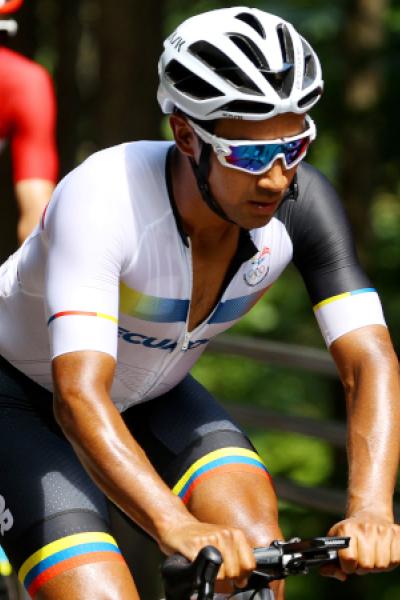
341	296
82	313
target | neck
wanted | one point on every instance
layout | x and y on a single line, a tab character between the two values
198	220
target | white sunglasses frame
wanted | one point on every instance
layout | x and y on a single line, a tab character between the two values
221	146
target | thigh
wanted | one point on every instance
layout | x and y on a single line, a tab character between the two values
190	439
53	517
208	461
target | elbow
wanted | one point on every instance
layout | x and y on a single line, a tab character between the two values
65	414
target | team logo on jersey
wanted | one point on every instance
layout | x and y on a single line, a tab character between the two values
132	337
259	267
6	518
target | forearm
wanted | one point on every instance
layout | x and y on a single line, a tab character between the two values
32	197
117	463
373	406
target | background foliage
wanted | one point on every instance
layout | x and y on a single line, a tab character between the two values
104	62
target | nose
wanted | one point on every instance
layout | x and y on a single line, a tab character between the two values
276	179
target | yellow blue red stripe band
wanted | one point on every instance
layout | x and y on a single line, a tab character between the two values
341	296
219	460
81	313
5	567
66	553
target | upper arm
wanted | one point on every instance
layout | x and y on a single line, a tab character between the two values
84	228
82	381
324	252
82	373
33	141
366	360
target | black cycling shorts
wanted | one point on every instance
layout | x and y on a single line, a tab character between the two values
52	515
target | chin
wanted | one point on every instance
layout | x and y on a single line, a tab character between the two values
254	223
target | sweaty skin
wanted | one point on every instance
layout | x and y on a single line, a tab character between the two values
368	368
121	469
32	197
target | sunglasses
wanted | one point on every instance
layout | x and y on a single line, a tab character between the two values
256	157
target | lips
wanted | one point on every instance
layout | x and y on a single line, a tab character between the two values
264	207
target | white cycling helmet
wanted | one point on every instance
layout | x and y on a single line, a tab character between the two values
8	7
238	63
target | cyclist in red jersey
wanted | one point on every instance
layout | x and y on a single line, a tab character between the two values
27	122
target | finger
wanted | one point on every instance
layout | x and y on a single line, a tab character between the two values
333	571
229	555
383	547
348	557
246	558
395	547
245	552
374	549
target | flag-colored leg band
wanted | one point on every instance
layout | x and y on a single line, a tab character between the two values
5	567
218	462
64	554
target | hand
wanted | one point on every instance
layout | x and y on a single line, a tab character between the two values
374	545
190	536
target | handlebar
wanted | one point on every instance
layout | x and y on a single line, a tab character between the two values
281	559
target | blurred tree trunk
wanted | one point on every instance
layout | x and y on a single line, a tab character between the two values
25	40
363	124
70	109
130	37
364	39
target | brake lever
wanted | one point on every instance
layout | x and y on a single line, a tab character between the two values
182	577
212	563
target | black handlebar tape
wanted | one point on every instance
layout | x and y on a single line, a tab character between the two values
271	556
182	577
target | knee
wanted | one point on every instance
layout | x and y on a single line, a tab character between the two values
103	581
262	533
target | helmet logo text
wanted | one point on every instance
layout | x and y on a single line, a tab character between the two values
177	41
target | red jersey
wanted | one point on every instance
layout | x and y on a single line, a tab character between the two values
27	117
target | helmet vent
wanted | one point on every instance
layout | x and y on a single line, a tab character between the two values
253	22
190	84
245	107
286	44
310	71
249	49
223	66
310	99
281	81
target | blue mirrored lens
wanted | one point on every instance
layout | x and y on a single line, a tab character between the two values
256	158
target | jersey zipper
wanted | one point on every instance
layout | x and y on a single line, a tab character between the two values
183	341
186	335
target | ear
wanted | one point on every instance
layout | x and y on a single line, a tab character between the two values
185	138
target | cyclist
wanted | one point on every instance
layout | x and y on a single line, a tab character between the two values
27	120
145	252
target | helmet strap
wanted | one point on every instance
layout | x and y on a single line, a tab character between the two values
201	172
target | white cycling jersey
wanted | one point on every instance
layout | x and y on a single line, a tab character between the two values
109	269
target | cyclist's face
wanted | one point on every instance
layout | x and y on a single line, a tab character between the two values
251	200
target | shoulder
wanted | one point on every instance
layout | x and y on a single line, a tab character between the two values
316	209
104	202
127	165
22	70
313	183
119	178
